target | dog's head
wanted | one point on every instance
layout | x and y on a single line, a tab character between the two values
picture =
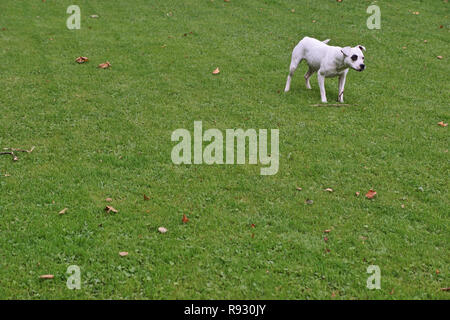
354	57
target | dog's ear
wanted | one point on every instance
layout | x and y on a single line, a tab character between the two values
362	48
347	51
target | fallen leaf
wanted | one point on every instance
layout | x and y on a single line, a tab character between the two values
253	225
440	57
357	193
292	10
47	276
333	294
403	206
327	231
94	16
392	292
185	219
425	41
309	201
442	124
110	209
108	199
325	239
370	194
63	211
299	189
123	253
437	271
81	59
146	198
416	13
328	189
445	289
216	71
162	230
104	65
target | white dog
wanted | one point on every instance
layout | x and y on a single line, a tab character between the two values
328	61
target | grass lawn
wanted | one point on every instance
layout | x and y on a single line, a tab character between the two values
106	134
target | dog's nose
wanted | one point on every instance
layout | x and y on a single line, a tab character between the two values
362	66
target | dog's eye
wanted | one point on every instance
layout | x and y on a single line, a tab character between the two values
354	57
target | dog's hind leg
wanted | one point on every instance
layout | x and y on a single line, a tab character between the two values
294	64
308	75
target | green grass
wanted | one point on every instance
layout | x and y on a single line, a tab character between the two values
106	133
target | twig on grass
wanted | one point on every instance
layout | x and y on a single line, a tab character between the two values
12	150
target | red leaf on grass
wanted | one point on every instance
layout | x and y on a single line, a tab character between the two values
216	71
370	194
104	65
81	59
185	219
442	124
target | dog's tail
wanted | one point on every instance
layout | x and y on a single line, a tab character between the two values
326	41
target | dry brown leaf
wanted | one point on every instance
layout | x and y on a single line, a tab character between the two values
216	71
185	219
81	59
357	193
110	209
329	190
299	189
370	194
104	65
327	231
123	253
146	198
442	124
63	211
440	57
47	276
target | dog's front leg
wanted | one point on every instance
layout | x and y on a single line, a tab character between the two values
342	78
321	80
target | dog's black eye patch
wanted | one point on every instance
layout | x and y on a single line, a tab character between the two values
354	57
